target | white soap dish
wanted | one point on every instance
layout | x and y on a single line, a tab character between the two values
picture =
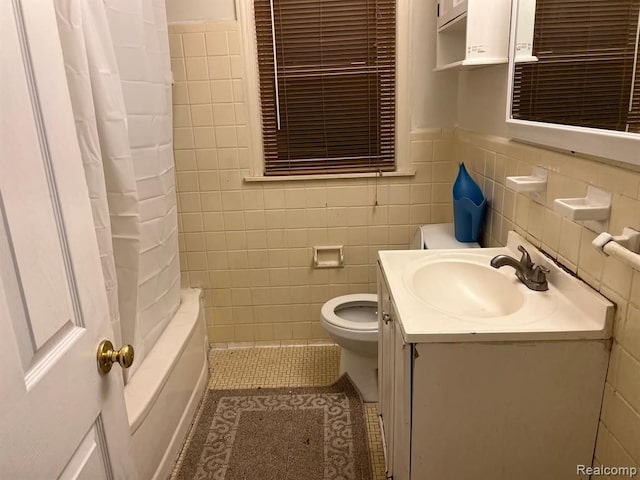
580	209
595	206
527	184
531	183
534	184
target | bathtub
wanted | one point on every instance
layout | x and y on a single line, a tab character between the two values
164	393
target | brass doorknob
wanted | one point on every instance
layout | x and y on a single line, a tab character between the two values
107	356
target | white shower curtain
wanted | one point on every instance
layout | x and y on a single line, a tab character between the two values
117	64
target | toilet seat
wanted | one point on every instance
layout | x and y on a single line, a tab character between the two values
333	318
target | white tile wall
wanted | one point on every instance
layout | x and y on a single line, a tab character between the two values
249	245
490	160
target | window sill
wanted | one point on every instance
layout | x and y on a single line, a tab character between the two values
329	176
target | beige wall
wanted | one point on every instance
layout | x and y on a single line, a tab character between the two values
200	10
491	159
433	94
249	244
481	100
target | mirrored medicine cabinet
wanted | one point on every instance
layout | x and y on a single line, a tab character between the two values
574	76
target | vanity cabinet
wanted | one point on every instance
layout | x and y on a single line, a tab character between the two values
472	33
499	410
394	385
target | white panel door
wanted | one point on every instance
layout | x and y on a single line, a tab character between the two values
59	417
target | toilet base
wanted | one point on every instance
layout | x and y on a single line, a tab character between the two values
363	372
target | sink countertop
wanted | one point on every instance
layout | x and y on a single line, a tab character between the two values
569	310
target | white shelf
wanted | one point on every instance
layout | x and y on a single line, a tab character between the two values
471	64
476	37
449	66
526	59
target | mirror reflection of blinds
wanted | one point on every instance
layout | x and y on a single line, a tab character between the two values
328	89
587	61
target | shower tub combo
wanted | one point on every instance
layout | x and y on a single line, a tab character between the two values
162	396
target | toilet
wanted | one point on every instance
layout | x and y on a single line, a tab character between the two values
352	320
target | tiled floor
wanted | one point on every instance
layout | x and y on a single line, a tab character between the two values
282	367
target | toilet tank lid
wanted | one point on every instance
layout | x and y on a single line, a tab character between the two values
441	236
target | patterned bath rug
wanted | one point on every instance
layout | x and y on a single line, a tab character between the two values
309	433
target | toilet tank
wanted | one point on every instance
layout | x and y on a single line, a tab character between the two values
437	236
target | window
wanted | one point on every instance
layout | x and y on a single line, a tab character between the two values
587	60
327	85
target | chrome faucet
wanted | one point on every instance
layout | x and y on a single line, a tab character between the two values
533	276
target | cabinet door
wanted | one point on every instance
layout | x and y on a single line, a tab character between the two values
506	411
394	399
385	369
450	9
402	366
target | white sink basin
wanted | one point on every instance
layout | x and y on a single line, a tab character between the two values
455	295
465	288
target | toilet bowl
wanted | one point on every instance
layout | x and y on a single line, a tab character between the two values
352	322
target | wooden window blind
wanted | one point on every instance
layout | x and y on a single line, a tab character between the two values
586	53
327	85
